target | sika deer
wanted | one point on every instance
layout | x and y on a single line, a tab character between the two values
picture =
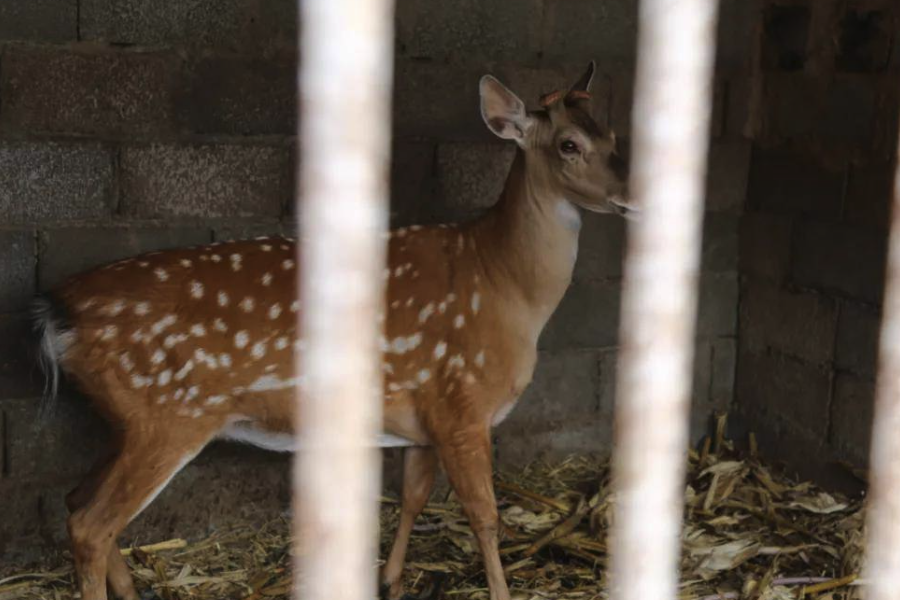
181	347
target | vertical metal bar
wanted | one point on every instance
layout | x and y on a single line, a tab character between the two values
671	125
345	83
883	520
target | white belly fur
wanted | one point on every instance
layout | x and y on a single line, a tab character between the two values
246	433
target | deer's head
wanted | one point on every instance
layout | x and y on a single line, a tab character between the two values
580	159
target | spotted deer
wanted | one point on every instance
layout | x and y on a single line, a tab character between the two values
181	347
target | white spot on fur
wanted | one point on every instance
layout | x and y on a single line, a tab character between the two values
174	339
287	264
109	332
158	357
423	375
456	361
426	312
258	350
215	400
476	302
161	274
440	350
162	324
479	359
281	343
222	298
274	311
126	362
183	371
266	279
241	339
219	325
164	378
192	392
115	308
459	321
225	360
248	304
186	263
142	308
295	306
196	290
198	330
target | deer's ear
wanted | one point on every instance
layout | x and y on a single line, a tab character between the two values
584	82
502	110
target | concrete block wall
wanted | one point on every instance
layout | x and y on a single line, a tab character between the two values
813	236
133	126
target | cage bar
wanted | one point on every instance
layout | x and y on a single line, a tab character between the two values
345	83
883	519
671	117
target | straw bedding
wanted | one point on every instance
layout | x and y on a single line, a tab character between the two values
749	532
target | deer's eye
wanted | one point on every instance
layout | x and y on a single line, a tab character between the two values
568	147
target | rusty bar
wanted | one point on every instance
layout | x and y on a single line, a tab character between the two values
882	570
673	94
345	83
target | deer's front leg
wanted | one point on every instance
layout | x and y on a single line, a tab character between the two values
466	456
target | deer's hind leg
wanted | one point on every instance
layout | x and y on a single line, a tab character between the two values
118	575
149	455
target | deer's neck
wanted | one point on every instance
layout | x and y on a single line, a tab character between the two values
528	242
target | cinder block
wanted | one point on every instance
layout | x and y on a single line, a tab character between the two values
621	101
206	181
717	308
785	37
412	183
20	375
437	101
849	110
68	442
238	96
792	105
587	317
39	20
785	182
582	30
857	339
17	269
26	533
720	243
798	324
87	91
864	40
784	393
839	258
477	31
67	251
736	24
724	363
868	201
470	177
563	389
601	247
726	180
851	417
226	24
41	182
243	230
765	246
559	413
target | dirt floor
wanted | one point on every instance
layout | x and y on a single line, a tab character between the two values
749	532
